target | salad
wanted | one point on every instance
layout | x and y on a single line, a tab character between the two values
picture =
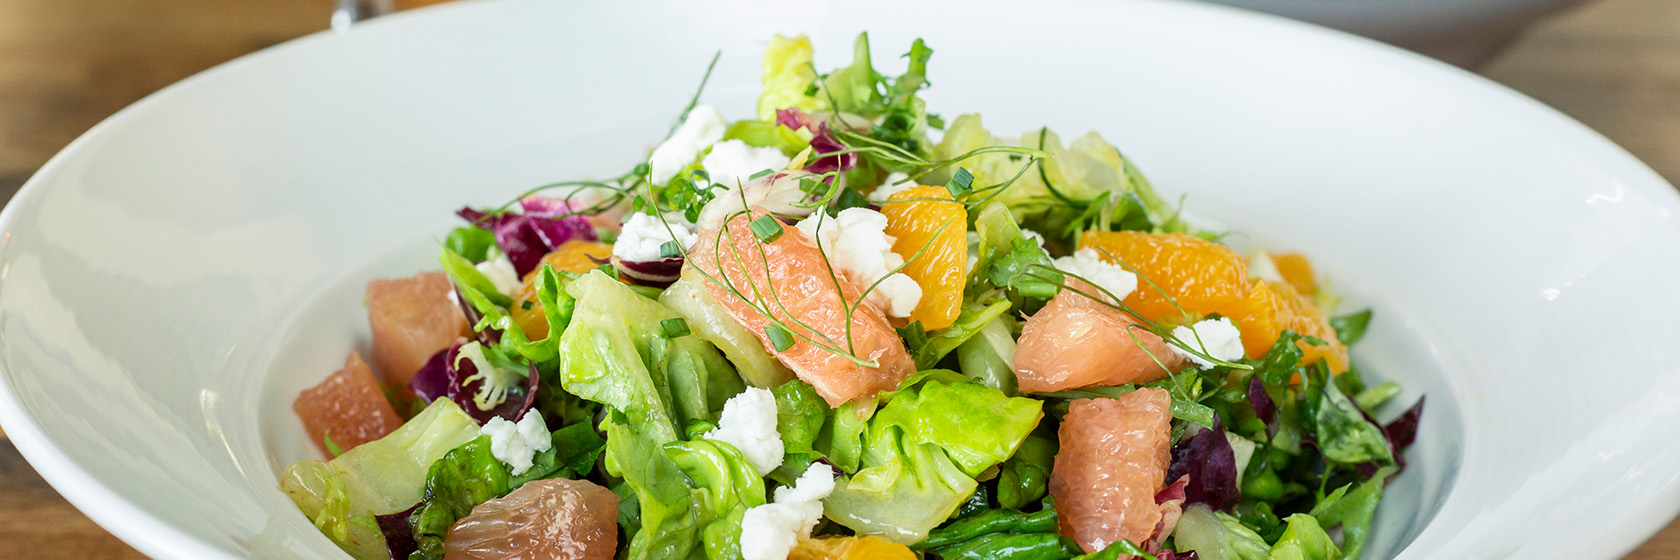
845	327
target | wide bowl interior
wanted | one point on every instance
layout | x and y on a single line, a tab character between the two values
176	276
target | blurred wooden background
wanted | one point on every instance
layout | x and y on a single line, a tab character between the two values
67	64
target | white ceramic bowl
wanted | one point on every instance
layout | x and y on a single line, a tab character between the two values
172	279
1463	32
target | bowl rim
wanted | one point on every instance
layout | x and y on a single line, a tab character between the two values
153	537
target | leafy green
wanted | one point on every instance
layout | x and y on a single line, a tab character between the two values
1025	477
727	485
1217	536
481	294
853	89
1344	435
670	513
977	426
801	415
788	78
1374	397
769	134
842	438
1351	327
1008	259
1352	510
614	353
688	297
472	242
1303	539
987	357
380	477
969	321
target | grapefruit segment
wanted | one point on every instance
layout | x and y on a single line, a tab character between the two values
938	230
789	279
349	407
412	318
1113	459
552	518
1076	342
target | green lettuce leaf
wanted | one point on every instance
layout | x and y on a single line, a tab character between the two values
969	321
977	426
788	77
492	305
1303	539
1008	259
727	485
988	357
1217	536
380	477
1344	435
1353	510
668	516
1025	477
708	319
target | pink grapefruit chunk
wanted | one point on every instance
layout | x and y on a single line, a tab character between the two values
554	518
1076	342
412	318
1113	460
798	289
349	407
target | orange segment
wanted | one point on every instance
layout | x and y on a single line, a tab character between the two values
1274	307
572	256
789	279
850	548
1297	271
1202	276
349	407
940	227
1113	459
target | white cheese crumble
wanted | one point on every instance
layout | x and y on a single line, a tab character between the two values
769	531
643	235
501	273
1261	265
1214	337
856	243
703	127
748	422
731	162
516	444
1088	264
896	182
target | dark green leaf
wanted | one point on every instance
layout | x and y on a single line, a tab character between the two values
1344	435
471	242
1351	327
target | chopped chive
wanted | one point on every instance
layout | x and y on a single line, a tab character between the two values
811	90
779	336
332	448
526	305
767	228
935	122
761	173
670	250
674	327
961	182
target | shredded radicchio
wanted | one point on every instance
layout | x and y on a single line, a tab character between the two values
525	238
1264	408
1207	459
441	378
657	273
822	142
1170	502
399	534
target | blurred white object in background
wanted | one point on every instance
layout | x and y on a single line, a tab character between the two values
1462	32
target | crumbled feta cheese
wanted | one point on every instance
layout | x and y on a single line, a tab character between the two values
1087	263
643	235
733	161
895	183
1214	337
516	444
748	422
856	243
703	127
1261	265
769	531
501	274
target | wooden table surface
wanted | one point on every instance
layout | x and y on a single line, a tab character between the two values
66	64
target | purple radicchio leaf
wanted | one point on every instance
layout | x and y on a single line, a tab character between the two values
1206	457
399	535
1165	554
555	222
657	273
442	378
525	238
1403	430
822	142
1264	408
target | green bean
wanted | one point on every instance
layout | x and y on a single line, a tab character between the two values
1007	546
1115	549
991	521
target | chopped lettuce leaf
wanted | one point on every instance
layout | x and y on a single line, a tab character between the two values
1303	539
977	426
788	77
1217	536
969	321
688	297
669	515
